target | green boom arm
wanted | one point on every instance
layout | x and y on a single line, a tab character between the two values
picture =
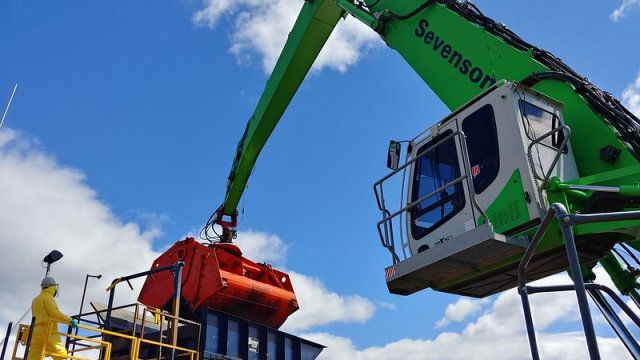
458	52
310	32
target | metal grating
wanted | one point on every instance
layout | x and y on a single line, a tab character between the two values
457	259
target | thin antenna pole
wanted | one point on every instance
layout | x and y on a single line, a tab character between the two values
6	109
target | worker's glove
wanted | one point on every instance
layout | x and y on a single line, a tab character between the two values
74	323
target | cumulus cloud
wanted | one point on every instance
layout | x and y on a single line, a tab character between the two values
46	205
460	310
623	9
261	28
497	334
261	247
631	96
455	346
320	306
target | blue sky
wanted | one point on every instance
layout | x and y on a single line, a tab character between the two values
121	135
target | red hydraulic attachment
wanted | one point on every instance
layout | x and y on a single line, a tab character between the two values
218	276
228	226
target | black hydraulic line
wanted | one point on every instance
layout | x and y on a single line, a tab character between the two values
629	251
6	341
28	346
601	102
624	260
612	111
633	294
393	16
616	324
632	315
373	4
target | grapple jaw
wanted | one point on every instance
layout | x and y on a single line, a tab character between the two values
218	276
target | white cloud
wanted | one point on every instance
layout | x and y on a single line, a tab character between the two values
214	9
497	334
460	310
454	346
46	205
261	247
623	9
386	305
320	306
631	96
262	28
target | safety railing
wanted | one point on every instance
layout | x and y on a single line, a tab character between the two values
149	324
385	226
562	148
99	346
22	338
174	323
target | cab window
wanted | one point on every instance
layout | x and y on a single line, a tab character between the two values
433	170
538	121
482	146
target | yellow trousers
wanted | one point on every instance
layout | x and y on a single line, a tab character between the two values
53	344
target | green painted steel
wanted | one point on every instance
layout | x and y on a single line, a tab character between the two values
458	59
623	279
509	210
310	32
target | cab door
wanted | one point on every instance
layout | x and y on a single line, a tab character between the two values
438	190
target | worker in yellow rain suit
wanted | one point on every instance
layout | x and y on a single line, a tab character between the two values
44	308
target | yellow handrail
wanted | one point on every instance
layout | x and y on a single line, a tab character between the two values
105	346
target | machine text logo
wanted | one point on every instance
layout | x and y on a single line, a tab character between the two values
433	41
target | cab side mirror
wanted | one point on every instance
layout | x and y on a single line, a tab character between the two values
393	155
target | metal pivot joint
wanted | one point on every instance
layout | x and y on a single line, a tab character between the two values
228	224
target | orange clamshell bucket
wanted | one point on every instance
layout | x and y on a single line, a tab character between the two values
218	276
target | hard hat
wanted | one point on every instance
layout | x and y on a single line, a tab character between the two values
48	281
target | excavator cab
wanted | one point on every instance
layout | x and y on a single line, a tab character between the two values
475	188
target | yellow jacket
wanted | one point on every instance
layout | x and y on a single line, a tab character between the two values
44	308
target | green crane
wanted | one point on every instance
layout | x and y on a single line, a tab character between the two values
469	200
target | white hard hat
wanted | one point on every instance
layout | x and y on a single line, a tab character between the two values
48	281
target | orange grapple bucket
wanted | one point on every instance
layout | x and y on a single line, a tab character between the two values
218	276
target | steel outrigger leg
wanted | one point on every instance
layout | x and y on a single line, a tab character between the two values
557	211
567	221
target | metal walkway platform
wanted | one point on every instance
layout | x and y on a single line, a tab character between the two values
452	259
